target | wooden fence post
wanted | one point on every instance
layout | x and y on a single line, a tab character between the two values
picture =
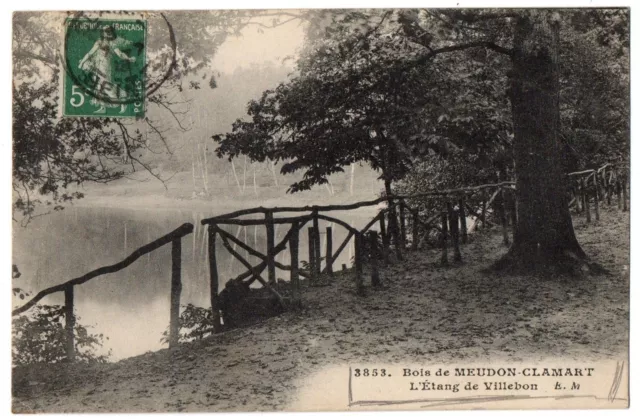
578	197
312	253
601	191
385	240
316	245
619	191
358	256
483	216
445	231
213	278
463	219
503	218
604	184
514	212
609	187
296	298
585	199
595	195
69	324
624	193
329	251
393	229
403	226
453	228
271	266
415	228
373	258
176	289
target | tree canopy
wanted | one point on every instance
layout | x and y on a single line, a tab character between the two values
347	103
367	90
387	72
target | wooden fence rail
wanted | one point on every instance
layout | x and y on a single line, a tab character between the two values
173	237
230	218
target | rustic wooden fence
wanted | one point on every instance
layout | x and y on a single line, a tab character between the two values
402	225
397	223
598	185
174	237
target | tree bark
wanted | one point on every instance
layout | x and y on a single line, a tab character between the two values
544	235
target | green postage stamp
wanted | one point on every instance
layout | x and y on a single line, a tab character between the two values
105	67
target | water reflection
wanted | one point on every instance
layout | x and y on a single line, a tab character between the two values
132	306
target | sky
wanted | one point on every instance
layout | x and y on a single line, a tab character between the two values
254	47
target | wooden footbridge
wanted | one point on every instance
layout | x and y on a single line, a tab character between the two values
401	225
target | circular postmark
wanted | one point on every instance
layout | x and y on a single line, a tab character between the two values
106	65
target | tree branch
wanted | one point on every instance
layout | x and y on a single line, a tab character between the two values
479	44
273	25
132	158
453	24
478	17
171	111
30	55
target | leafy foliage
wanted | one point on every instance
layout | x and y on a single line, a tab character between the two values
17	291
50	155
361	96
397	88
595	107
39	337
195	323
350	102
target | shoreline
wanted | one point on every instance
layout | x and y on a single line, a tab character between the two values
164	203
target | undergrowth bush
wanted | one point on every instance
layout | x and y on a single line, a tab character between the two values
39	337
195	323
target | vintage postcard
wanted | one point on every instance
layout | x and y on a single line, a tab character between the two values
320	210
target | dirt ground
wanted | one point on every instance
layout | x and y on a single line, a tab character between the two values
423	312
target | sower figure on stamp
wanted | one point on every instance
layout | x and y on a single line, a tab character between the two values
99	62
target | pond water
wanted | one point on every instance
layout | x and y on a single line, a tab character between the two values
131	307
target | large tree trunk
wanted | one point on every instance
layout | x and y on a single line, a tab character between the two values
544	235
